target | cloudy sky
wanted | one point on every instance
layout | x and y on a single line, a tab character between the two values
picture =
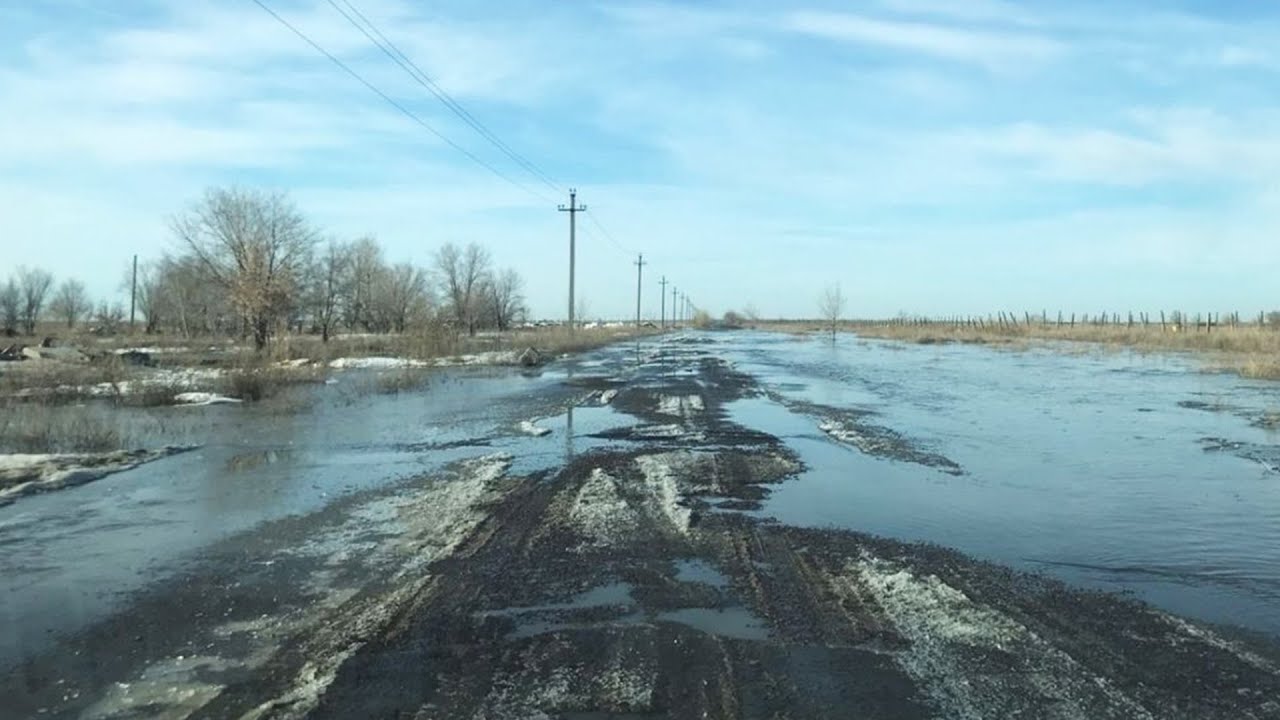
931	156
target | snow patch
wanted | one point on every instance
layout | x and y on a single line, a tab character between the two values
682	406
203	398
851	436
943	626
529	428
661	485
25	474
151	350
375	363
607	396
601	512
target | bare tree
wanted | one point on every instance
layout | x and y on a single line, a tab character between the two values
506	298
364	268
327	278
109	317
831	306
34	284
253	244
10	306
402	295
70	302
462	272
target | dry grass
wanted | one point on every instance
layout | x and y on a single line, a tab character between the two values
1247	350
33	427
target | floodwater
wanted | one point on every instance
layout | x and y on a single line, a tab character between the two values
1082	463
1089	466
69	557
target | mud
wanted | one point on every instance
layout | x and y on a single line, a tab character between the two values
623	584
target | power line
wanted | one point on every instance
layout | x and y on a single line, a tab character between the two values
391	101
418	74
608	236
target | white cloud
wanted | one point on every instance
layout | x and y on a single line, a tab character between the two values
989	49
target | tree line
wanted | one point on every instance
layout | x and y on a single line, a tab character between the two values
247	262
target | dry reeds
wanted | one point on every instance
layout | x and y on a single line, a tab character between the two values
1248	350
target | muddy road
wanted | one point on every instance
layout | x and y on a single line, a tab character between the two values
625	565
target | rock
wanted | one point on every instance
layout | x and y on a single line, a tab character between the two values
48	342
31	353
530	357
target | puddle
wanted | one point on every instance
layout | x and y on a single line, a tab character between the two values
736	622
700	571
614	605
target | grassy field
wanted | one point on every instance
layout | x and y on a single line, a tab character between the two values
1248	350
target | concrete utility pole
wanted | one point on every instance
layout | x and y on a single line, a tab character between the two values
640	263
573	209
663	321
674	294
133	294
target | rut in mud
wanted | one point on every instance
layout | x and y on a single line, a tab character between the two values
619	587
627	583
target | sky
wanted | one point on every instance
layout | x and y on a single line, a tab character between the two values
932	157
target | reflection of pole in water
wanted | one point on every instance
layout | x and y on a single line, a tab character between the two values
568	423
568	435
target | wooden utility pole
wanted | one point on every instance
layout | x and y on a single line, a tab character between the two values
573	209
133	294
640	263
674	294
662	323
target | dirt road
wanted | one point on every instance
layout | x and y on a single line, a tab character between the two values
629	581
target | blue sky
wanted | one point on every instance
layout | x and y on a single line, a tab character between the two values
931	156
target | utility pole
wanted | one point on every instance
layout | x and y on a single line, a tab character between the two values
663	294
640	263
573	209
674	294
133	294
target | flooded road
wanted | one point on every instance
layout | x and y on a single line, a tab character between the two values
1090	466
675	528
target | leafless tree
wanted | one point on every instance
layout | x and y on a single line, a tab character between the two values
506	298
831	305
70	302
34	285
109	318
402	294
462	272
328	276
179	294
10	306
255	245
365	266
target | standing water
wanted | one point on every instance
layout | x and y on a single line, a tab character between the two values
1120	471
